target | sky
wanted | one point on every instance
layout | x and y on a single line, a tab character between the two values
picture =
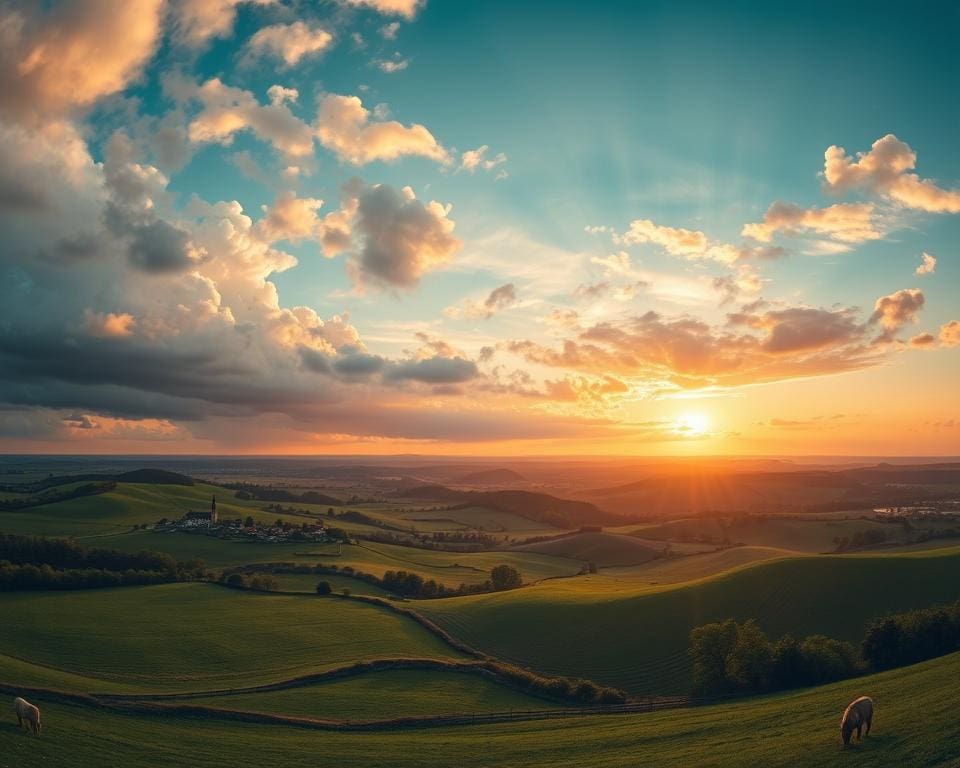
484	228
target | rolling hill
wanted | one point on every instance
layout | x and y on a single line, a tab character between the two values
604	549
639	641
916	725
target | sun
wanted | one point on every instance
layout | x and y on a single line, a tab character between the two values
692	424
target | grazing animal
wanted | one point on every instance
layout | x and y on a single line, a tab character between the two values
858	713
26	711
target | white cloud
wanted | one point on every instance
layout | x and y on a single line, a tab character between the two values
883	170
405	8
474	159
344	127
291	42
844	222
927	265
227	110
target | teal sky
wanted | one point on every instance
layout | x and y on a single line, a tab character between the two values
694	116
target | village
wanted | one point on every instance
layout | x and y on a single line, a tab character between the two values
208	522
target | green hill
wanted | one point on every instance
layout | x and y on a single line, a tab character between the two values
604	549
189	637
915	725
639	641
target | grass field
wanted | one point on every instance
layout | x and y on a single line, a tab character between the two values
814	534
604	549
915	725
385	695
639	641
194	637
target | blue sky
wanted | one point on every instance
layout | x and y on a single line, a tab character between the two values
632	143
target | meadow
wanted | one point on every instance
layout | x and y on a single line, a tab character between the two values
639	640
289	655
915	724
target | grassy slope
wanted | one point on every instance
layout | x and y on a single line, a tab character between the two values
815	534
639	641
198	637
605	549
384	695
915	725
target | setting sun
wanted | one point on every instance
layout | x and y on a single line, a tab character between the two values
692	423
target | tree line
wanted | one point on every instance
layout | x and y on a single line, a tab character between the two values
38	563
402	583
738	657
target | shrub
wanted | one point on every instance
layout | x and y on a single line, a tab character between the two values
505	577
324	588
235	580
264	582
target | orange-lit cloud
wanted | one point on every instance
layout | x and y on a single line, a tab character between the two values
74	53
950	334
344	127
405	8
290	42
883	170
845	222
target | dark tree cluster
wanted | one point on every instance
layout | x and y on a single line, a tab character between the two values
860	539
403	583
732	657
906	638
66	553
38	563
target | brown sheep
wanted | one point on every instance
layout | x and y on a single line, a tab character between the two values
26	711
855	716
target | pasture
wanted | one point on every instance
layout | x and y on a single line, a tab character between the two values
194	637
639	641
384	695
915	724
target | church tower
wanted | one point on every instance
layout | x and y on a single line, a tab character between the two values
213	509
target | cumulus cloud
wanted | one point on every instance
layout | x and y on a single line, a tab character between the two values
290	43
290	218
843	222
197	21
684	243
474	159
58	57
950	334
108	325
927	265
757	345
404	8
743	280
399	238
499	298
390	66
389	31
923	341
344	127
674	240
884	171
227	110
434	370
135	191
896	310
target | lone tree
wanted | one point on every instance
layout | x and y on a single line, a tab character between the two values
505	577
324	588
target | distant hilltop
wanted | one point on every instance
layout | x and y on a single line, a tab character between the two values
491	477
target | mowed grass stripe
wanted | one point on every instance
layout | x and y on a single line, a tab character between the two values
198	636
638	642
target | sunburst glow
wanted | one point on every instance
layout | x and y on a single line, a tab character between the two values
692	424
